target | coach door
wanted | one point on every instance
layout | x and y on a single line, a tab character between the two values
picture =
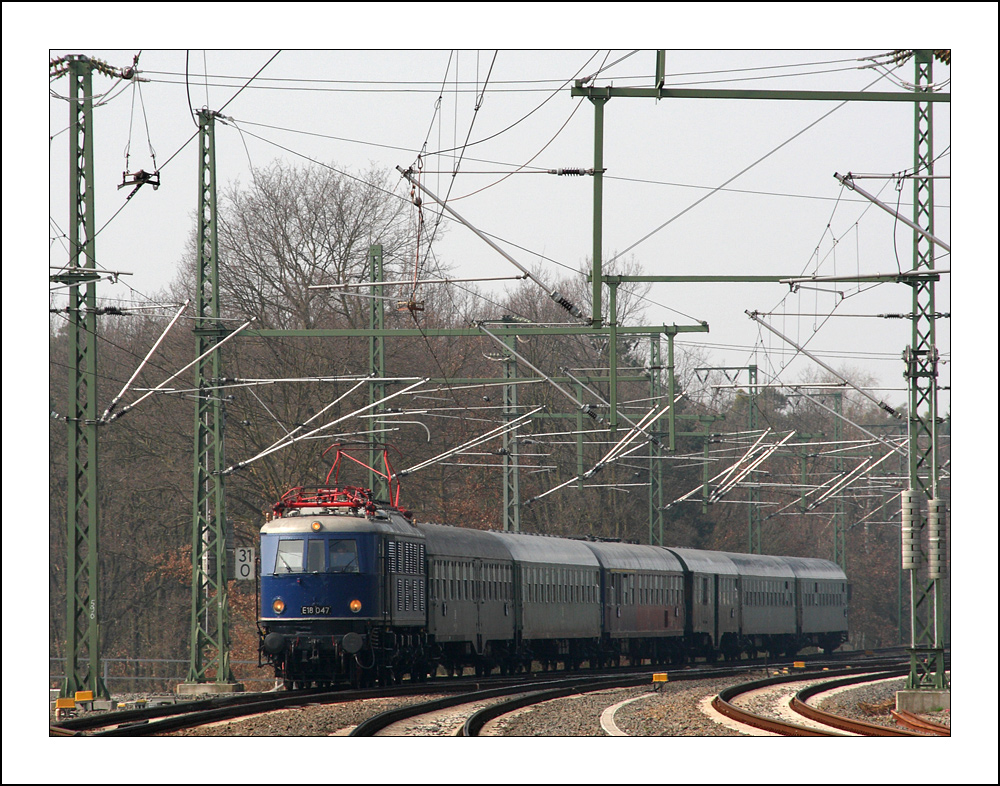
716	632
478	596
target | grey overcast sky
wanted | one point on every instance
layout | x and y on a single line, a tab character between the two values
351	109
357	83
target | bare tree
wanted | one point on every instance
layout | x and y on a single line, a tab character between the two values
291	228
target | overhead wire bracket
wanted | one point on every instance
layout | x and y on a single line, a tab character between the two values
139	179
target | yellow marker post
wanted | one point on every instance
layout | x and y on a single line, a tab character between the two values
64	707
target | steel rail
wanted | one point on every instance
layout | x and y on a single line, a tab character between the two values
375	724
799	704
475	722
171	717
915	722
723	703
146	721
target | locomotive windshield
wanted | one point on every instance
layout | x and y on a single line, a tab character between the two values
289	559
343	556
298	555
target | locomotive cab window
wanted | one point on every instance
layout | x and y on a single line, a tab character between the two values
289	557
344	556
314	556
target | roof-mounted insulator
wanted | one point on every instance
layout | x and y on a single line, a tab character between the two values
571	171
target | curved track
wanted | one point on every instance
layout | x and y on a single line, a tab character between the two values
915	722
172	717
524	691
725	704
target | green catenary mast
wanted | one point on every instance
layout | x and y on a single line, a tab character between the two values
82	602
209	590
927	609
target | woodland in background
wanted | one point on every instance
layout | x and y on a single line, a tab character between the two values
293	228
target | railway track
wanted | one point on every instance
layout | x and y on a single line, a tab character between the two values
502	692
825	724
169	718
173	717
524	694
520	696
915	722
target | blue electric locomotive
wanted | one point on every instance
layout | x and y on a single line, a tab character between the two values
341	577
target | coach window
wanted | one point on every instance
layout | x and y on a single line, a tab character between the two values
343	556
289	559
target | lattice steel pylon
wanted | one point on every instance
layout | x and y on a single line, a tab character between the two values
376	366
839	514
655	466
82	601
927	609
753	493
511	464
209	590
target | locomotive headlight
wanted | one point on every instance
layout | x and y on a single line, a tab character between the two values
278	605
317	526
355	606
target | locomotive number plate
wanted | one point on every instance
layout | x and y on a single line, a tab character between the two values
315	610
